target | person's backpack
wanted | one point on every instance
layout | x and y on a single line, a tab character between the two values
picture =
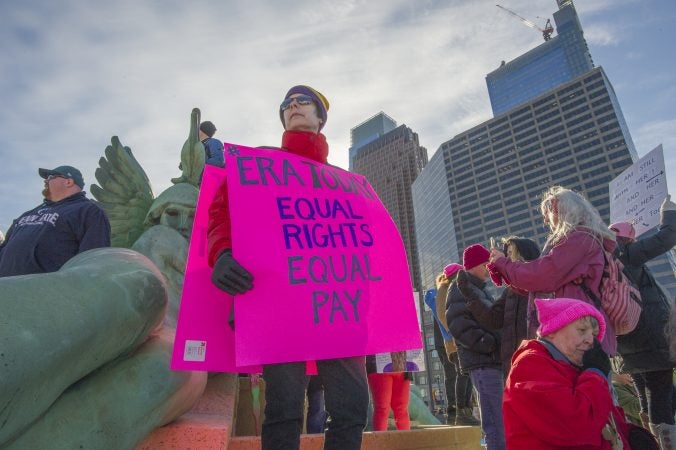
620	298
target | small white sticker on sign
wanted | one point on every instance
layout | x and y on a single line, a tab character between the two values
195	351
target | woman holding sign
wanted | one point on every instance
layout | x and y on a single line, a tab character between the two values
303	114
645	351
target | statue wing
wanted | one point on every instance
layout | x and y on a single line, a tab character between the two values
125	193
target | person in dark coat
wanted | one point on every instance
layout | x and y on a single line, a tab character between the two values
478	348
508	313
65	224
645	351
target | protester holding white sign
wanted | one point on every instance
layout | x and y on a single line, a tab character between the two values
645	351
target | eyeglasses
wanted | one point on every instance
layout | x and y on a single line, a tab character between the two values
301	100
51	177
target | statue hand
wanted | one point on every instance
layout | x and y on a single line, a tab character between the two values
229	275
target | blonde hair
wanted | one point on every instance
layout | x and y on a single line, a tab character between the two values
573	210
441	280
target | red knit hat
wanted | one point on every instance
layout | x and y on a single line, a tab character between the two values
556	313
452	269
474	255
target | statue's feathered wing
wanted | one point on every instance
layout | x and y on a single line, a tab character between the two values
125	193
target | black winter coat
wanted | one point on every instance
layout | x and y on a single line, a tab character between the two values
646	348
477	346
507	315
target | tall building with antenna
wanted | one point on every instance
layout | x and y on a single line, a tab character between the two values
556	61
557	122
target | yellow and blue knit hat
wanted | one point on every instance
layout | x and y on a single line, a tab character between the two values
319	99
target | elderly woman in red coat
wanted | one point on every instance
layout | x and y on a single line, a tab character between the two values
557	393
572	256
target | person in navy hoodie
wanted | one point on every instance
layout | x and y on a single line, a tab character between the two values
213	148
65	224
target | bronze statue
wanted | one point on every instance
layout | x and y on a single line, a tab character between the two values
84	355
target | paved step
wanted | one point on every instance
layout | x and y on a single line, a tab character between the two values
207	426
210	425
439	437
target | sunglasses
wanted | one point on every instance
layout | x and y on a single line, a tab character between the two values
301	100
51	177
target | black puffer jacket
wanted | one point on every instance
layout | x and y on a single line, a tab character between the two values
507	315
647	348
477	346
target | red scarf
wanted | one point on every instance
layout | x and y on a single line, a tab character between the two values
307	144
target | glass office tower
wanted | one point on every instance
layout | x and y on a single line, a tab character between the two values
557	61
368	131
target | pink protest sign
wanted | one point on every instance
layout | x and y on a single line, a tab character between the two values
330	271
204	340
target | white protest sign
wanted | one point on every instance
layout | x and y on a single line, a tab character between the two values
637	193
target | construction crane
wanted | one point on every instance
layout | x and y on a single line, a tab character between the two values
546	31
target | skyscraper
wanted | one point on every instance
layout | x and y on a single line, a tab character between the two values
391	162
557	122
370	130
557	61
391	158
574	136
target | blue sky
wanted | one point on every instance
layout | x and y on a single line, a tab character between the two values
76	73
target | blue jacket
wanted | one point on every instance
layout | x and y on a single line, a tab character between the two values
213	152
44	238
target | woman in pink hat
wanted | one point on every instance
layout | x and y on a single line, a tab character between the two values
557	394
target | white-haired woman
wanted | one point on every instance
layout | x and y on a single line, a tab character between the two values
572	256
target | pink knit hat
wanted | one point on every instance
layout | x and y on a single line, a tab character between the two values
474	255
623	229
452	269
556	313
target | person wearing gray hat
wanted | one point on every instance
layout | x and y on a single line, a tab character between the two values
64	224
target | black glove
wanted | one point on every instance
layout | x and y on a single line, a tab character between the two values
229	276
466	288
596	358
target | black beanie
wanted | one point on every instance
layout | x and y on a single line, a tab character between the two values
208	128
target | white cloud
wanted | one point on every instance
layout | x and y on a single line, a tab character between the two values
602	34
76	73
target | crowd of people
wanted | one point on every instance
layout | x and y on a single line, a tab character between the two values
538	357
